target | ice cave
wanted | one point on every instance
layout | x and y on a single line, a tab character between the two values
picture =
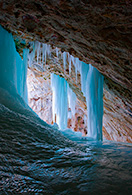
60	121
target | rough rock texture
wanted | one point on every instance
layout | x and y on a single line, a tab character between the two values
40	94
117	120
98	32
40	100
117	111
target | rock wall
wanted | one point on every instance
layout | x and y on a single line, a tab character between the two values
117	111
98	32
40	100
40	94
117	120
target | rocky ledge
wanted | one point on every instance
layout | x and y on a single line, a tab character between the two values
98	32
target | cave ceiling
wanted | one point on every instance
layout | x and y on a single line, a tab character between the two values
98	32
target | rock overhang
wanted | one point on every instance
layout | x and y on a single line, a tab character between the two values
98	32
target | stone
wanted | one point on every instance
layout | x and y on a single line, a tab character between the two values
98	32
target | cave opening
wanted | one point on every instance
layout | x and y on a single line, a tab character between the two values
14	71
66	73
36	157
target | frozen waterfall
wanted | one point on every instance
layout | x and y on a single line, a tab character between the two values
60	104
63	97
13	79
13	69
92	88
36	158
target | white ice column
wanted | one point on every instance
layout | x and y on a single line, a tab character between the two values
94	99
59	101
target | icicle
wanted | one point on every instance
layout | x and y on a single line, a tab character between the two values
49	50
94	99
72	59
14	70
84	72
57	52
71	100
80	66
75	64
69	62
43	53
62	95
64	60
91	86
31	56
37	48
60	104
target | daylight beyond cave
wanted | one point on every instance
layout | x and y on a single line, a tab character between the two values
63	95
38	158
91	81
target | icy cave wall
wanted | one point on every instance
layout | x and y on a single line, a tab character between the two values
98	32
40	100
13	82
40	91
63	97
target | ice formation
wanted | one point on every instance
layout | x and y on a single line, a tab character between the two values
36	158
63	97
64	60
57	52
60	102
92	88
39	54
69	60
71	100
13	87
14	70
